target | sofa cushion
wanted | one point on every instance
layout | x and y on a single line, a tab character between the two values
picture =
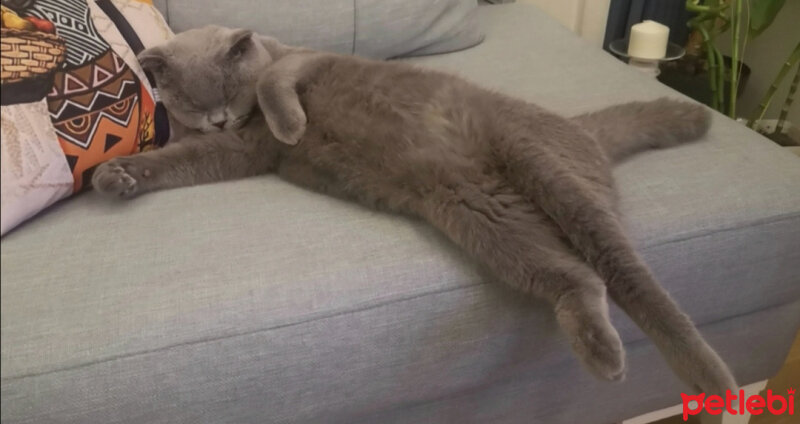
256	301
371	28
73	98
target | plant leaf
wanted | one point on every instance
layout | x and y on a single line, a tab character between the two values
762	13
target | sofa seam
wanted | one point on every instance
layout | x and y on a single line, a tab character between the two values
699	234
627	344
646	339
245	333
373	306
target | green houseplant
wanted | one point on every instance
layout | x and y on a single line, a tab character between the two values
758	114
722	76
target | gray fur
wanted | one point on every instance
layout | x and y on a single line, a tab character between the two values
526	192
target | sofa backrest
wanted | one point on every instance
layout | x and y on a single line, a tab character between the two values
371	28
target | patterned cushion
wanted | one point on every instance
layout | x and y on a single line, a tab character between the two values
73	95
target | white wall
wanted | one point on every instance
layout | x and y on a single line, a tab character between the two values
764	55
586	18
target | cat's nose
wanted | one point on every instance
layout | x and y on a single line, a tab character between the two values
220	124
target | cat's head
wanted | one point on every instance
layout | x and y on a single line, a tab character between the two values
207	76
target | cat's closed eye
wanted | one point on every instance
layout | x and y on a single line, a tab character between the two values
189	106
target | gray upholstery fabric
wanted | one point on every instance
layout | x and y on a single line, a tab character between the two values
371	28
415	27
256	301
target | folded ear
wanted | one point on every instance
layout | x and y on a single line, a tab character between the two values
241	40
153	59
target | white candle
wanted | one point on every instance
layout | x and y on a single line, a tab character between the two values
648	40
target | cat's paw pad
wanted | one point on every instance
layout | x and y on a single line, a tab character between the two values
118	177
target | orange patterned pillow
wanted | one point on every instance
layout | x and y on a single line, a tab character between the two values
70	79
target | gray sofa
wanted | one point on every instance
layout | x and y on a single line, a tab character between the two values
258	302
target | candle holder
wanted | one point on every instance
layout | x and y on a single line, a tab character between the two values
649	66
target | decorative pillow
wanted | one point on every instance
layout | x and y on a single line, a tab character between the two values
73	95
372	28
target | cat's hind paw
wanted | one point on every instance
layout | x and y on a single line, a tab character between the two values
603	354
597	344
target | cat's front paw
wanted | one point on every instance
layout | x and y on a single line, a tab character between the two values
119	177
295	128
288	128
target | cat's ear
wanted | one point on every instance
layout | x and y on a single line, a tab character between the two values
153	59
241	41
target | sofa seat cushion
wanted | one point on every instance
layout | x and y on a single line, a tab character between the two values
256	301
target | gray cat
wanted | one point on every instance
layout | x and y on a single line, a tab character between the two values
527	193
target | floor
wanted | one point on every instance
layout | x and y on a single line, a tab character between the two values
788	376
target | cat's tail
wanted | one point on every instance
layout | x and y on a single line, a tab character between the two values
626	129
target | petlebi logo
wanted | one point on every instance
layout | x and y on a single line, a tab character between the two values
738	404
